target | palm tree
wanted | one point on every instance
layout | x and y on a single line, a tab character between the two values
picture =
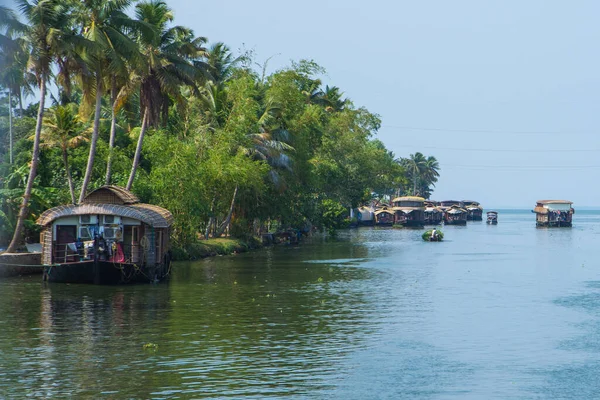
103	22
64	129
331	99
414	165
170	54
45	19
13	64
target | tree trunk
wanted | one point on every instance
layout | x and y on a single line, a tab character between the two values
10	130
69	179
32	171
20	104
227	220
138	150
211	219
90	163
113	128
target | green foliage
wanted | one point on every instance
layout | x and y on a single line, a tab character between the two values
427	235
226	146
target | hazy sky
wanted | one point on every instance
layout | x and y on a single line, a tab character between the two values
520	76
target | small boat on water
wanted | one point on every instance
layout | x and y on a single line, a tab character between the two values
554	213
433	235
492	218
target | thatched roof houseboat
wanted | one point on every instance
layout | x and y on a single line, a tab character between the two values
384	216
446	204
455	215
109	238
409	211
474	210
554	213
433	215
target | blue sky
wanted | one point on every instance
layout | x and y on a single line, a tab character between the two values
518	76
459	79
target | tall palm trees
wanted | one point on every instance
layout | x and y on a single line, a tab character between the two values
169	54
45	19
102	23
422	171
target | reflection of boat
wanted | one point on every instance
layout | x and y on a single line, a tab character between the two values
492	217
554	213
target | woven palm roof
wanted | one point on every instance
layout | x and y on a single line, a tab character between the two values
111	194
554	202
408	198
152	215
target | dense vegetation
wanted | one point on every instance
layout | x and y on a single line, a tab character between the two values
146	104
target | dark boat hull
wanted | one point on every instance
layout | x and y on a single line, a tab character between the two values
455	223
556	224
104	273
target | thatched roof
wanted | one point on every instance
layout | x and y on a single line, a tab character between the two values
540	210
385	210
152	215
408	198
545	202
111	194
469	202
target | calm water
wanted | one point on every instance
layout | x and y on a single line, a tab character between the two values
503	312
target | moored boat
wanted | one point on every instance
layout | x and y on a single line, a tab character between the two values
474	210
409	211
455	215
109	238
492	217
554	213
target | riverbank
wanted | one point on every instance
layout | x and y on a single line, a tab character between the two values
214	247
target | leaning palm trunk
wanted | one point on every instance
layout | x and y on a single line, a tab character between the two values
138	150
10	131
90	163
227	220
68	171
113	128
32	171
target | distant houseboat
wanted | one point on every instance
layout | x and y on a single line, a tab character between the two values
446	204
433	215
384	216
109	238
474	210
492	217
365	215
409	211
554	213
455	215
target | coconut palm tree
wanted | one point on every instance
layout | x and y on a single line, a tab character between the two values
64	129
102	24
45	25
170	54
415	166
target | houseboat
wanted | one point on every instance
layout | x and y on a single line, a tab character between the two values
365	216
384	217
433	215
455	215
474	210
554	213
109	238
446	204
409	211
492	218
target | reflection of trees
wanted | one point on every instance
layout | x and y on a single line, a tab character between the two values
267	318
